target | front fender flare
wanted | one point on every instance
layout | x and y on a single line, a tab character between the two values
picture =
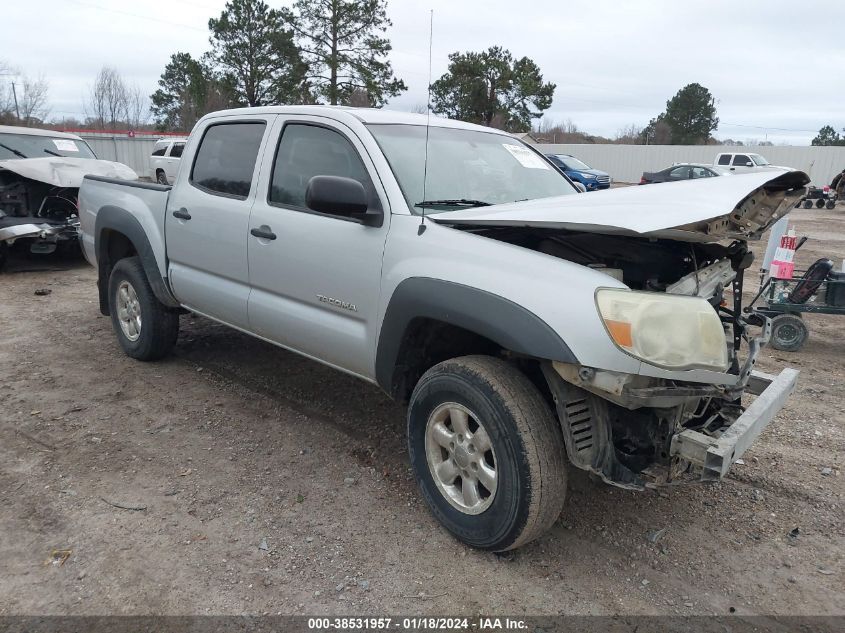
496	318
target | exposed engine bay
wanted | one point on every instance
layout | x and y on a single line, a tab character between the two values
43	214
38	200
622	426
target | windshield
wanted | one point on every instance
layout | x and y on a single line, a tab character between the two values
759	160
572	163
14	146
465	167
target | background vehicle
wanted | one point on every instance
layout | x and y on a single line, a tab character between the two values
165	159
522	323
579	171
682	171
742	161
40	174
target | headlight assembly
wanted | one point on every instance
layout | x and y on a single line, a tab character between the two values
669	331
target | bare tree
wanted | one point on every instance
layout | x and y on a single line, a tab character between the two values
137	107
108	100
630	135
32	100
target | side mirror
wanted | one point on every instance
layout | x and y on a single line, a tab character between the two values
749	164
579	186
336	195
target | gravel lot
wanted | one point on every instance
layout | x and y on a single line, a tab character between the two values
270	484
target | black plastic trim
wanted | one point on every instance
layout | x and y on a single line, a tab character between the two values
121	221
506	323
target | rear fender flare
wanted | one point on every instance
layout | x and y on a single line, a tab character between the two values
111	218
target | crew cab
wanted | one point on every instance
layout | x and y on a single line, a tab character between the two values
526	325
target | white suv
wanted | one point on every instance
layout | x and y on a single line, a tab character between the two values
164	161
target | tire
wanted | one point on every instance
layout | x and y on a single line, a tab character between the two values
161	177
829	204
526	452
789	332
808	204
145	329
820	203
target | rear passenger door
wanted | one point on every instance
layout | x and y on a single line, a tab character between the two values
315	284
208	217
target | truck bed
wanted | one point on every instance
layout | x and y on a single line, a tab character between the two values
146	201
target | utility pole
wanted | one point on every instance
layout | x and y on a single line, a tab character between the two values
15	96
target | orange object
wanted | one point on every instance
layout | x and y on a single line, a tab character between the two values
621	332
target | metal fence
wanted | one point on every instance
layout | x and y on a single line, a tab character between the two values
626	163
134	152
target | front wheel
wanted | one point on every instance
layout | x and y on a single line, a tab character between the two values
145	329
487	452
789	332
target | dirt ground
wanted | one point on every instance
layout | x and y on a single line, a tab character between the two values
271	484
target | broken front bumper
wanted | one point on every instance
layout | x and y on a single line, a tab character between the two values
714	455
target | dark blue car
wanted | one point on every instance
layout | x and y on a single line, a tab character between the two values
592	179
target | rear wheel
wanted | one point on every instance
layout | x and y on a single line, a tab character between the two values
487	452
808	204
789	332
829	204
145	329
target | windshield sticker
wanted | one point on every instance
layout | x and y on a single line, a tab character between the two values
525	156
65	145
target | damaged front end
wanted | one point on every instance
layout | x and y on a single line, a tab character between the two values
663	424
43	215
39	200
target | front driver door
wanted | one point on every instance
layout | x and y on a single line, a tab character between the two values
315	284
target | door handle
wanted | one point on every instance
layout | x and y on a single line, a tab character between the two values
182	214
263	234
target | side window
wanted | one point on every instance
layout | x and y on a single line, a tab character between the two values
725	159
740	160
680	172
225	160
306	151
701	172
176	150
159	150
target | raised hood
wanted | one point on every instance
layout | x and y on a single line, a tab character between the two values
704	210
66	172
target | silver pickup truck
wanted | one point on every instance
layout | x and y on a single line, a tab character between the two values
526	325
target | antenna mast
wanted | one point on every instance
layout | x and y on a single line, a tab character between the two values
421	228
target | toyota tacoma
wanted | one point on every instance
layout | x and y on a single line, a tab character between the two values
527	326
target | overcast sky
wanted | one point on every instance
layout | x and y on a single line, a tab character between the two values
776	68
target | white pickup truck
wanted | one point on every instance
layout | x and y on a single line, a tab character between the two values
526	325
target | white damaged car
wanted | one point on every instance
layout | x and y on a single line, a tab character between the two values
40	175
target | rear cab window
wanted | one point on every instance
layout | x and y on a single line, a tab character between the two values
224	163
725	159
160	147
